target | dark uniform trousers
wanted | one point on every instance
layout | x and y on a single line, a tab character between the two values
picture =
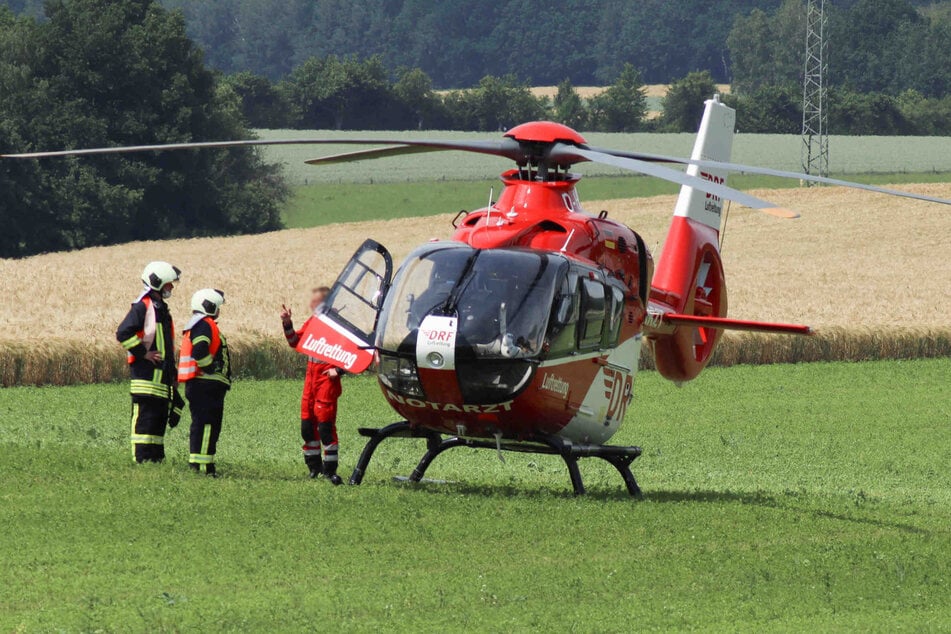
150	415
206	402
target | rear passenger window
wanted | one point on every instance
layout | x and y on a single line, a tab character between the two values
612	331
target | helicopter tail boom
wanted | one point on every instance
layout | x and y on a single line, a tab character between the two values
689	278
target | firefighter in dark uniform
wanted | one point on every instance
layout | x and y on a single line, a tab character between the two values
148	335
318	427
205	369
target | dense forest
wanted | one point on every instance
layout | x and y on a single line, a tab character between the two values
457	42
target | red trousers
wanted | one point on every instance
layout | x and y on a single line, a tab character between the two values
318	414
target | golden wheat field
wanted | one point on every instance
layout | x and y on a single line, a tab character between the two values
855	264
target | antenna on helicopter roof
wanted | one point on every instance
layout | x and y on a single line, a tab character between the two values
488	212
564	247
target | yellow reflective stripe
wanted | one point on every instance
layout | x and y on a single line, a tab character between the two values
225	359
204	338
214	377
160	338
131	342
206	360
135	417
147	439
150	388
200	458
160	346
206	439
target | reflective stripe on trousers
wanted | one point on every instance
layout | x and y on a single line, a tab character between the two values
204	457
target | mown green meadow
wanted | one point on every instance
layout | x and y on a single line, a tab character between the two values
794	497
327	203
848	155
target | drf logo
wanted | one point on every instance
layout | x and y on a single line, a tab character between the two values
716	180
438	335
617	389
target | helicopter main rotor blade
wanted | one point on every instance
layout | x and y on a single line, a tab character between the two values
768	171
363	155
506	148
568	152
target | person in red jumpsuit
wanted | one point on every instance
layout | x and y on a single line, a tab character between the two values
318	427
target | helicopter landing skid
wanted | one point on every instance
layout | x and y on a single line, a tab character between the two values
618	457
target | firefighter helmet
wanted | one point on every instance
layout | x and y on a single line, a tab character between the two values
157	274
208	301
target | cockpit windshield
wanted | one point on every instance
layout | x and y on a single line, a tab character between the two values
501	298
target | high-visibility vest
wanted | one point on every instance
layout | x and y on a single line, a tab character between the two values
187	366
147	334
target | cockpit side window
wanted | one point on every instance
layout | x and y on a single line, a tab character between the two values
593	313
563	323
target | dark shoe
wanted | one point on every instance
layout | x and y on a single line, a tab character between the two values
335	479
314	473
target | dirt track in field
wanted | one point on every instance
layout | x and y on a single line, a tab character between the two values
854	260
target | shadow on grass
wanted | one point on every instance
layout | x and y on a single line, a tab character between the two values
706	496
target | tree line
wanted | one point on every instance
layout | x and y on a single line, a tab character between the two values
889	68
349	93
889	72
777	109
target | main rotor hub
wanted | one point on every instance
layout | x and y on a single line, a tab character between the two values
546	132
536	140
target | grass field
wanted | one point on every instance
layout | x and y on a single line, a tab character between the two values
786	498
848	155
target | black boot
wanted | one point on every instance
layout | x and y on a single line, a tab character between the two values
330	472
316	467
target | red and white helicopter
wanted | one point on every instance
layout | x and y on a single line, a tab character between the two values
523	331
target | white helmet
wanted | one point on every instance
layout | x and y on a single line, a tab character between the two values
208	301
157	274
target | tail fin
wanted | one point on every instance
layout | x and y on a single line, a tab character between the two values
689	278
714	143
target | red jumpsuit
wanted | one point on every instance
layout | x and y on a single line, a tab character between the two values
318	412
